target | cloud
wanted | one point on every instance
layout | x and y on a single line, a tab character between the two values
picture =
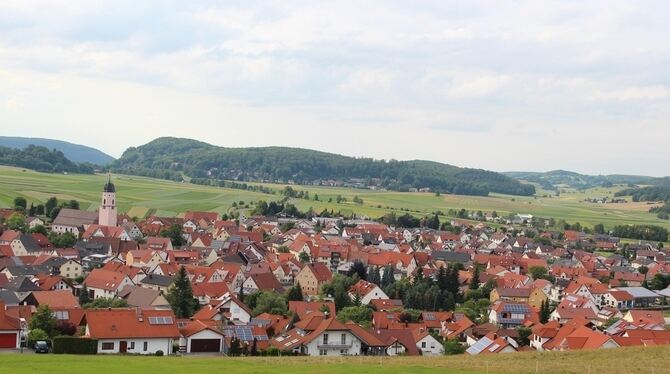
427	79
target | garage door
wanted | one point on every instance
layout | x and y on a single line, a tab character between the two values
8	340
206	345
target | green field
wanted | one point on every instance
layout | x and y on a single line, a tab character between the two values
140	196
623	360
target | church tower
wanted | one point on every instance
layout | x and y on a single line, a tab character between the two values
107	213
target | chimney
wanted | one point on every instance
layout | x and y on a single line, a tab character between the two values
2	309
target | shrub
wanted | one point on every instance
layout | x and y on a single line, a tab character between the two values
74	345
159	353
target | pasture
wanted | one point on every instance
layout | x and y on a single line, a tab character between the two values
139	196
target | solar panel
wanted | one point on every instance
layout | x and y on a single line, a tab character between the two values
160	320
494	347
479	346
429	316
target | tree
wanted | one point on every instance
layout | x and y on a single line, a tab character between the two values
524	334
65	327
36	335
43	319
545	311
474	283
84	298
17	221
50	205
295	293
39	210
358	268
235	348
176	235
304	257
54	213
20	204
540	272
64	240
361	315
453	347
106	302
269	302
180	296
73	204
39	229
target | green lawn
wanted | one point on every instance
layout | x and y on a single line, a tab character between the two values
608	361
140	196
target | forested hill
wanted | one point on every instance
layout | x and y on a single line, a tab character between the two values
42	159
74	152
559	178
170	158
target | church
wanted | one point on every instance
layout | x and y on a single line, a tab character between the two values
107	214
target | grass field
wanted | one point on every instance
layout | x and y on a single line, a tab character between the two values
652	360
140	196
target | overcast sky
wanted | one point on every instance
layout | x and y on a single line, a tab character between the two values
500	85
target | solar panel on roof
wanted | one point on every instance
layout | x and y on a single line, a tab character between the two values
160	320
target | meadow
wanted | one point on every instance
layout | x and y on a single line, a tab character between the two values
608	361
139	196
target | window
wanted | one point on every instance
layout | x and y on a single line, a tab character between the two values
108	346
344	351
146	346
325	338
322	352
344	339
132	345
423	344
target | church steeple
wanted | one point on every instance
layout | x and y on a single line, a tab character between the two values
107	213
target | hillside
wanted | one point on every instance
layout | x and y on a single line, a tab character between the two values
551	179
172	158
74	152
41	159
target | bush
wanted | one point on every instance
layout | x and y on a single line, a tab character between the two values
453	347
36	335
159	353
74	345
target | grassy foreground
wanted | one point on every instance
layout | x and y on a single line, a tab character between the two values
139	196
624	360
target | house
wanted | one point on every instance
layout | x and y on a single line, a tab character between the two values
510	315
10	329
426	343
366	292
311	277
262	282
142	297
228	307
645	316
305	309
329	338
132	330
62	266
532	296
105	283
157	282
73	221
642	297
201	337
621	300
61	299
492	343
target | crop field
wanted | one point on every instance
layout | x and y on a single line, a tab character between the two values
606	361
140	196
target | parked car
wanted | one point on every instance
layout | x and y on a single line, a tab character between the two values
41	347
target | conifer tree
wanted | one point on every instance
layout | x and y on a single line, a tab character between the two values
180	296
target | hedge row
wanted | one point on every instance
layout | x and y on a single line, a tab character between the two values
74	345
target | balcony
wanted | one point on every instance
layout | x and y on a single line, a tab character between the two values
334	345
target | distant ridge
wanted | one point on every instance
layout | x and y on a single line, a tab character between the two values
174	158
74	152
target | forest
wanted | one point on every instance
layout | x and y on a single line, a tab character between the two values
42	159
174	158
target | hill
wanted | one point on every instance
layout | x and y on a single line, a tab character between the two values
74	152
41	159
606	361
176	158
551	180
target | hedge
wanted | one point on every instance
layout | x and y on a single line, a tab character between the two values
74	345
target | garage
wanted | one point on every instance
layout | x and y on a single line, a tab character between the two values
205	345
8	340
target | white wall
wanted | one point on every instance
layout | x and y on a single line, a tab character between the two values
333	349
205	334
153	345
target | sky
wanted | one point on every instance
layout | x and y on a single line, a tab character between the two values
514	85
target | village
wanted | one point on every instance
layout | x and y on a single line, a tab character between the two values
324	286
